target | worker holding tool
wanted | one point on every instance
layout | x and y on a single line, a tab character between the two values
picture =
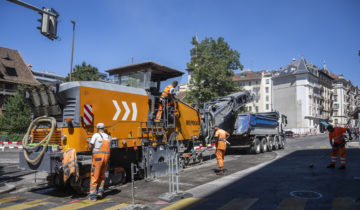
100	146
337	142
168	93
220	143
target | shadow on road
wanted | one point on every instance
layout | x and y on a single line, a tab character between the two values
273	183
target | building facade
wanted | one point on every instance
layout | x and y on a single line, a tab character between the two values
47	78
297	93
260	85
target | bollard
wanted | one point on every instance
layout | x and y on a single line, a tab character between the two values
133	183
177	173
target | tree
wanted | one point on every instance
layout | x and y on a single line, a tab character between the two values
213	63
84	72
17	116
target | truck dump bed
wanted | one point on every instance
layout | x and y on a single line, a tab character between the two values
255	124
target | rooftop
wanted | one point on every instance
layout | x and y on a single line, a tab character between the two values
158	72
13	68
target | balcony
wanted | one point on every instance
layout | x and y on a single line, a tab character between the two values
317	95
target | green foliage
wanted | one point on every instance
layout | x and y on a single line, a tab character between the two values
84	72
17	115
214	63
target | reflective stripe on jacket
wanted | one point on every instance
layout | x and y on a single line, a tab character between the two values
166	91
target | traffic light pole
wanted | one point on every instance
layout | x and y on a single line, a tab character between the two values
29	6
48	21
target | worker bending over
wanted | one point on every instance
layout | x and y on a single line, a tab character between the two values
168	93
337	142
220	142
100	146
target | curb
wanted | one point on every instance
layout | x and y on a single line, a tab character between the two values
5	188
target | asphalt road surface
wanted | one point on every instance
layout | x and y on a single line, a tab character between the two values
274	180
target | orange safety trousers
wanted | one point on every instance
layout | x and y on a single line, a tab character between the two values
335	153
160	111
220	154
99	166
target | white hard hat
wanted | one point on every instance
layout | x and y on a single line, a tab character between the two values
100	126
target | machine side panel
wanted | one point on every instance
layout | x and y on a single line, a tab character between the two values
120	112
188	121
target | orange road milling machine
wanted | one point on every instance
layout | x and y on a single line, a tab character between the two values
65	117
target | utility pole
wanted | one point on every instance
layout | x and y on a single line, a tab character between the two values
48	20
72	49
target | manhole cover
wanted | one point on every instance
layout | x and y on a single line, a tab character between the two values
305	194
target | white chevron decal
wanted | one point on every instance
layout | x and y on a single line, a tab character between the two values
127	110
118	110
134	115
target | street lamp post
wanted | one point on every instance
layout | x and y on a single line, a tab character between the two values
72	49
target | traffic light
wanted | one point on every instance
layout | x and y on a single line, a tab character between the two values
48	22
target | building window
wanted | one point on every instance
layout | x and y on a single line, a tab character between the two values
336	121
267	90
10	71
249	83
257	82
257	109
267	81
335	97
336	106
250	108
267	98
267	106
243	84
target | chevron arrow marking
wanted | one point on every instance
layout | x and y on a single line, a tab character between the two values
118	110
134	115
127	110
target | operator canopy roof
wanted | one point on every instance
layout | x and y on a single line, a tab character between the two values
158	72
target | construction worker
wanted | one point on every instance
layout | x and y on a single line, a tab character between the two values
100	146
337	142
168	93
220	143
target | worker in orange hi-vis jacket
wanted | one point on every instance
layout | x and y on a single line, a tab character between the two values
166	94
220	142
100	146
337	142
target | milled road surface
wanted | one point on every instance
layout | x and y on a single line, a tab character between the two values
265	181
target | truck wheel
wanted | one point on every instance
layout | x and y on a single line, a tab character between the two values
270	145
282	142
263	145
276	143
256	146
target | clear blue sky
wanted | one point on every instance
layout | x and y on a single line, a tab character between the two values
268	34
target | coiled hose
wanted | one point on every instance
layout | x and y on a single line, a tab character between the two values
43	142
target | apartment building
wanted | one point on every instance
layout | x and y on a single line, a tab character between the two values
299	93
260	85
345	99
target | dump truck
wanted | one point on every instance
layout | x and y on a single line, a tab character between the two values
260	132
65	116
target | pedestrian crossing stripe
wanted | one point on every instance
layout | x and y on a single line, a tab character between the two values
310	147
292	203
6	200
184	204
26	205
116	207
323	147
80	204
343	203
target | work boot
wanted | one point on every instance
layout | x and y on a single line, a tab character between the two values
331	166
92	197
342	167
221	172
100	194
